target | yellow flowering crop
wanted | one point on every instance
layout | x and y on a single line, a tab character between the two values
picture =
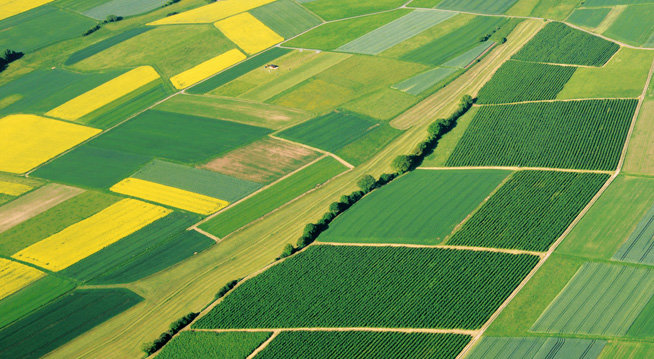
28	140
13	189
207	69
170	196
15	276
9	8
212	12
90	235
248	33
105	94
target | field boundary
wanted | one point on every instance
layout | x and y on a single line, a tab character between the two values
263	345
515	168
436	246
342	161
470	332
554	100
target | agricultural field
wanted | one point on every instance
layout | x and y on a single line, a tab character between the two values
286	18
634	26
333	286
590	18
248	33
515	348
229	345
429	216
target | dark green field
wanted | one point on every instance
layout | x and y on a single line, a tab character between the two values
588	17
346	286
230	345
310	345
57	323
103	45
367	146
530	211
286	18
585	134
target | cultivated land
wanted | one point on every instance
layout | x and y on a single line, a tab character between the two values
201	123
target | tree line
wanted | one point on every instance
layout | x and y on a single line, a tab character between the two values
8	57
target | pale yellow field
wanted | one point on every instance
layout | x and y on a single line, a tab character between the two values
105	94
13	189
15	276
248	33
29	140
207	69
170	196
9	8
212	12
88	236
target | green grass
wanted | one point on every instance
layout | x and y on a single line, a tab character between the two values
368	145
170	49
123	8
639	157
59	322
286	18
530	211
238	70
334	34
623	76
395	32
516	348
519	81
345	286
552	9
339	9
266	201
32	297
420	83
230	109
590	3
643	326
229	345
24	32
456	42
559	43
92	166
133	248
197	180
42	90
596	235
637	248
178	137
383	104
634	25
627	350
588	17
601	299
102	45
301	345
399	213
53	220
481	6
576	134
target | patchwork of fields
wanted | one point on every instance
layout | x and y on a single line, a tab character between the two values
239	160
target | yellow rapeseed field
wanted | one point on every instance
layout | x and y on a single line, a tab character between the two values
170	196
28	140
9	8
105	94
13	189
212	12
15	276
207	68
248	33
90	235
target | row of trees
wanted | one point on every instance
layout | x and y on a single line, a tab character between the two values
8	57
175	327
109	19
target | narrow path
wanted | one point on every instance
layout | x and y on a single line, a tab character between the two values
344	162
514	168
346	329
440	246
263	345
205	233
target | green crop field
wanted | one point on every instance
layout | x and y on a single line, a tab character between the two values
614	2
339	9
168	49
639	157
571	46
123	8
602	299
466	58
344	286
626	349
447	144
519	81
56	323
395	32
454	43
334	34
383	104
103	45
286	18
230	109
588	17
300	345
230	345
530	211
24	32
634	25
368	145
196	180
424	81
427	216
264	202
517	348
638	248
575	134
53	220
480	6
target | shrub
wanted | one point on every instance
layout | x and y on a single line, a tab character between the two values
367	183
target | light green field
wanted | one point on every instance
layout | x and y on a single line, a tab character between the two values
597	235
285	17
383	104
447	144
634	25
340	9
230	109
588	17
623	76
518	348
640	153
424	81
170	49
627	350
549	9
